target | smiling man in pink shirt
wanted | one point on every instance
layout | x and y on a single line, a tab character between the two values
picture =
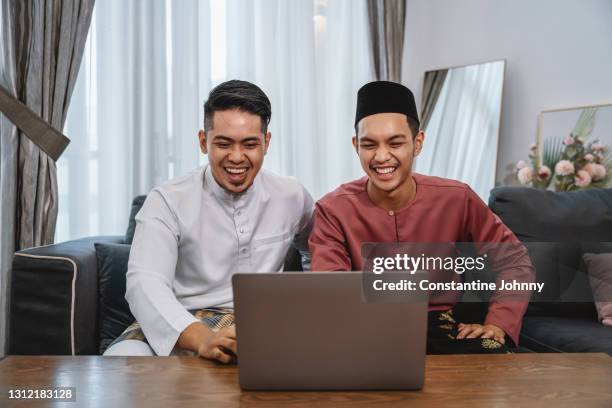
393	204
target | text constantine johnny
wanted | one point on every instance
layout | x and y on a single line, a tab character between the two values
405	284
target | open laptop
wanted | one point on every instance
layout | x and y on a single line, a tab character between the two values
315	331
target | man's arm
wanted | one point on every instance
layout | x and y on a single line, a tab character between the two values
150	276
327	243
510	259
149	287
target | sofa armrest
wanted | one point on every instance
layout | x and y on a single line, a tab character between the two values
54	298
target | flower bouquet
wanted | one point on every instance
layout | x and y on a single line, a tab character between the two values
576	166
568	164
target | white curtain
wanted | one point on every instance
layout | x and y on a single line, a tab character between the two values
135	112
149	66
462	135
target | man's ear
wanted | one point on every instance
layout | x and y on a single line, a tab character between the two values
267	138
356	144
418	143
202	137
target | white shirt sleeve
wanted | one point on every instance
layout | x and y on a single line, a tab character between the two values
300	240
150	276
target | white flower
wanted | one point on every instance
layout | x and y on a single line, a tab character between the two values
520	164
582	179
564	168
533	146
525	175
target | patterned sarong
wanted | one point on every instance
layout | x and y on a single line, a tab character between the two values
215	318
442	333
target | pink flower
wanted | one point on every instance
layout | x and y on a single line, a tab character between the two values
597	146
589	157
599	172
544	173
596	171
520	164
564	168
568	141
582	179
525	175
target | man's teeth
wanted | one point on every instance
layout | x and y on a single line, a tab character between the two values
235	170
384	170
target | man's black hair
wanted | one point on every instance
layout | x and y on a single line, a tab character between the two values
241	95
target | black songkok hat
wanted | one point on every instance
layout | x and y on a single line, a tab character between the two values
384	97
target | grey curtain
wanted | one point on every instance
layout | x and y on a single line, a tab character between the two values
434	81
386	22
43	43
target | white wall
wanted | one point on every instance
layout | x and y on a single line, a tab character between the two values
558	54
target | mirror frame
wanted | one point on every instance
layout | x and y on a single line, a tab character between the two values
501	103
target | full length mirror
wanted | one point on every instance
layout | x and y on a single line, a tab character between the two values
461	110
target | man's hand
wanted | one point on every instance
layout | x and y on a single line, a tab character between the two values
487	331
220	345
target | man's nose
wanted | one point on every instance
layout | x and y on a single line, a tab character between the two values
236	154
382	155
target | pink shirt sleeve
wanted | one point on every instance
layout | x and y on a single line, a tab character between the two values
327	243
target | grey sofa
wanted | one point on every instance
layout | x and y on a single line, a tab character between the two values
558	228
55	304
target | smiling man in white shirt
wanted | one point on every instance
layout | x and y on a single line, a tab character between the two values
194	232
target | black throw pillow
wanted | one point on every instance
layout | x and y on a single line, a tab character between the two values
114	311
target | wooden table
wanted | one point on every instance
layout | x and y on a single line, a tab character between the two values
519	380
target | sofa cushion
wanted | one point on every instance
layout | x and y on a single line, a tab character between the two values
546	216
114	311
563	334
136	206
600	276
554	227
54	298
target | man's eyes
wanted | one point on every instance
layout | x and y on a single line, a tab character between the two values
394	145
224	145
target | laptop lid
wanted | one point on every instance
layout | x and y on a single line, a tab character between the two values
316	331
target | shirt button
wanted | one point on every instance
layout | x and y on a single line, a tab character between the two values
243	250
239	213
242	230
391	213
